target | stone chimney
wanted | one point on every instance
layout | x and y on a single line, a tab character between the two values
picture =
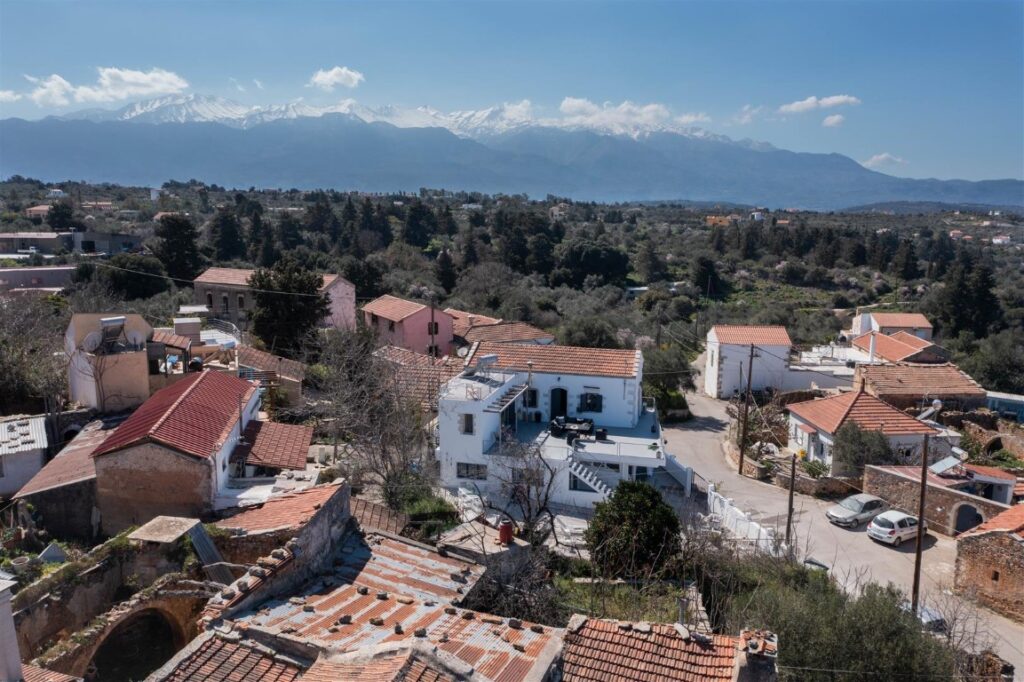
10	656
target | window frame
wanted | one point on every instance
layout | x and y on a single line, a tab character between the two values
471	471
587	402
467	424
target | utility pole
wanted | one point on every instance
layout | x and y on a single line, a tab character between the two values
746	410
920	528
433	341
792	485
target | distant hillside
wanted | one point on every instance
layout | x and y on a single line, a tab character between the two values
913	207
344	151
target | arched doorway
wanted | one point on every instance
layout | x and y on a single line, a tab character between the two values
559	402
967	517
135	648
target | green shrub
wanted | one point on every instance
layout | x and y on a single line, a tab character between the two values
814	468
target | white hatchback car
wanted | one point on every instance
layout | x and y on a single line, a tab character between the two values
893	527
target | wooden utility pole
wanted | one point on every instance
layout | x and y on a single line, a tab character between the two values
920	528
746	410
792	485
433	340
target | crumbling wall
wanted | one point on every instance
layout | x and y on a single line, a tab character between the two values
67	512
990	568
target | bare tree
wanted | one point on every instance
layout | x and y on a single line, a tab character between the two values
527	480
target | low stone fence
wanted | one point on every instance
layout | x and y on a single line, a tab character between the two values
751	467
825	486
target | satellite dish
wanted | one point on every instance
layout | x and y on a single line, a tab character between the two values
92	341
136	338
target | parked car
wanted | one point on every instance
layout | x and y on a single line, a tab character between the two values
893	527
855	510
931	620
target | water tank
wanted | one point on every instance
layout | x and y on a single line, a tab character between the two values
505	532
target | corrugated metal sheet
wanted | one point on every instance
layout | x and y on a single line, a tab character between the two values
22	434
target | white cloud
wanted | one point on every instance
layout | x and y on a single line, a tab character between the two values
833	121
625	117
9	96
884	159
339	75
52	91
115	84
112	84
812	103
694	117
746	114
519	111
257	83
238	86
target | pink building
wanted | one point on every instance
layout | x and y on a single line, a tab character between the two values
410	325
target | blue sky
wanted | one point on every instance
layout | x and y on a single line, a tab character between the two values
925	88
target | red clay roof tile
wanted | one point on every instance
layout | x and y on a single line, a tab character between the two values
864	409
274	445
919	380
393	308
32	673
461	322
291	510
910	320
506	332
74	463
239	277
560	359
193	416
373	516
220	660
891	348
1009	521
262	361
745	334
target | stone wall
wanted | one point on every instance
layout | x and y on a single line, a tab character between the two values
990	569
941	504
826	486
751	467
141	482
66	512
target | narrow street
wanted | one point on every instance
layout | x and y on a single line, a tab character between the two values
852	556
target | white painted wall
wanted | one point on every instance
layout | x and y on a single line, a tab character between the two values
819	444
221	464
725	368
18	469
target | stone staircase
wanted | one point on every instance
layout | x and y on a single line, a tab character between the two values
585	474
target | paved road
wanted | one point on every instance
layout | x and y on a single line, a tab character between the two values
853	557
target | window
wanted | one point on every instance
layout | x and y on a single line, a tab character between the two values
530	398
995	576
209	300
475	472
391	325
434	351
241	302
432	327
578	485
590	402
466	424
712	358
373	318
224	302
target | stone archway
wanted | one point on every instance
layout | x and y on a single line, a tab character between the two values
965	516
137	646
994	445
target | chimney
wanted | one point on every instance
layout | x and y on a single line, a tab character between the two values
871	348
10	656
757	653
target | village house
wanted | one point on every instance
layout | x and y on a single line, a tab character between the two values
39	212
900	346
990	563
915	324
46	243
905	385
53	278
507	332
580	409
272	371
228	296
24	443
813	424
410	325
462	320
177	453
108	364
728	356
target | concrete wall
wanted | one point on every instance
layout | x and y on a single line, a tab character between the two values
725	370
138	483
52	276
18	468
990	568
941	504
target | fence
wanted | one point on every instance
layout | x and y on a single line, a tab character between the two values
728	517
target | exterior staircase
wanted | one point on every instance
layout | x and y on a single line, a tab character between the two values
511	394
585	474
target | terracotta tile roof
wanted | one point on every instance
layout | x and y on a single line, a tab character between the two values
601	650
952	478
910	339
1009	521
220	660
397	666
495	649
758	335
423	384
372	516
404	356
461	322
506	332
560	359
74	463
32	673
889	348
919	380
274	445
867	411
262	361
990	472
169	338
193	416
239	277
393	308
912	320
291	510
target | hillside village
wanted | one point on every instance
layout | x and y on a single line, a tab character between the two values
322	436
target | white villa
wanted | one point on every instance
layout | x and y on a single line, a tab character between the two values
513	398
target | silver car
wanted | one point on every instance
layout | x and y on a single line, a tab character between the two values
893	527
855	510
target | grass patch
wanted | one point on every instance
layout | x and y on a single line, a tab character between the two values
655	602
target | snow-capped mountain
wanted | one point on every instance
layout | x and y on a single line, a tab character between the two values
494	120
